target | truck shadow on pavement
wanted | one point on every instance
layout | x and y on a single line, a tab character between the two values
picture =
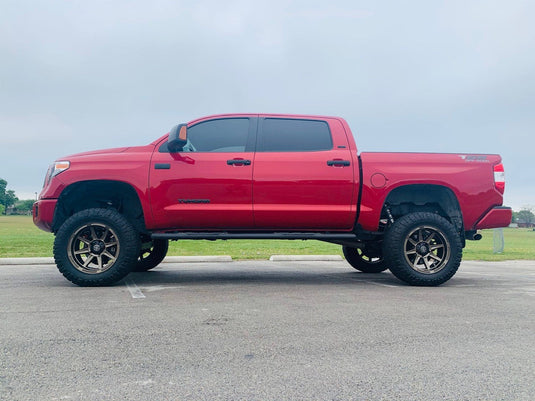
240	277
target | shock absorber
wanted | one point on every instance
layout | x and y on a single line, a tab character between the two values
389	213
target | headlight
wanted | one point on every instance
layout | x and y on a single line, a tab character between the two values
57	168
60	167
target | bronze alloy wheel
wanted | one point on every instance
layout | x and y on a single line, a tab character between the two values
427	250
423	248
93	248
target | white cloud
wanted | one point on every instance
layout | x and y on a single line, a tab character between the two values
453	76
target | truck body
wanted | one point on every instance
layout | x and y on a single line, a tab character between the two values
267	176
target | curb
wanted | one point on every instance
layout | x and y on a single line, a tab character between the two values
197	259
169	259
293	258
27	261
184	259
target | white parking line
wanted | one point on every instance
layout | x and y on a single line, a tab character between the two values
134	289
383	285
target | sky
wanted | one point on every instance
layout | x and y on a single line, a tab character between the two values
424	76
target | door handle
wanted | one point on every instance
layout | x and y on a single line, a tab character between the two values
338	163
162	166
238	162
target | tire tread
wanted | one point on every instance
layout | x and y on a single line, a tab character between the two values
395	257
129	247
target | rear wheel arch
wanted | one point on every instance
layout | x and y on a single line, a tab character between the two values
424	198
105	194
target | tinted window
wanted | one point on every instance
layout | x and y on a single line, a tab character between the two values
289	135
228	135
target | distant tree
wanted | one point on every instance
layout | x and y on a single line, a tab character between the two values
3	186
24	206
7	196
10	198
2	209
525	215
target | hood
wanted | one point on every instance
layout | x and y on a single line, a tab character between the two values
96	152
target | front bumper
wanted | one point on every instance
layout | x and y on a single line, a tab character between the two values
499	216
43	213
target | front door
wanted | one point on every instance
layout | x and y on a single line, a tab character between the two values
207	185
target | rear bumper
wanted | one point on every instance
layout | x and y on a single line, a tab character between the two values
43	213
499	216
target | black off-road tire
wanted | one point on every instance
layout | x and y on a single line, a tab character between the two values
96	247
422	249
360	261
151	255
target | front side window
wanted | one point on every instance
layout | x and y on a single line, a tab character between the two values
292	135
225	135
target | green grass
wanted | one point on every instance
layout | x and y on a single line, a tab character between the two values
20	238
519	244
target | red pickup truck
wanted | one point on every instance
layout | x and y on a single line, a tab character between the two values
267	176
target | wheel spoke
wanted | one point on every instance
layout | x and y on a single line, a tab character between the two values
426	263
420	235
88	260
82	239
109	256
430	237
109	244
435	247
433	256
82	251
99	262
411	252
103	238
93	233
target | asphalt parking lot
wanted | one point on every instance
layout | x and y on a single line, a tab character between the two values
263	330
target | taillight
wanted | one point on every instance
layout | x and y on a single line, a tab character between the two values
499	178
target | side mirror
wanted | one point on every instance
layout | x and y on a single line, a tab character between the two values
178	137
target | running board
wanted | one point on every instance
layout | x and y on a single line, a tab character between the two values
350	237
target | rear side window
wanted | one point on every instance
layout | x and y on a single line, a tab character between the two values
291	135
225	135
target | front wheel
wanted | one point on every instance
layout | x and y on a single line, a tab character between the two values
422	249
366	261
96	247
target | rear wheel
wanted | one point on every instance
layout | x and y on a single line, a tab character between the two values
96	247
366	261
423	249
151	255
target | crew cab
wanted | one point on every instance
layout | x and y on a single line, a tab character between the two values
268	176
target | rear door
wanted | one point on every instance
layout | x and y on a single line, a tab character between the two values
303	175
208	185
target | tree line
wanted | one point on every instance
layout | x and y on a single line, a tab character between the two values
524	216
7	197
9	202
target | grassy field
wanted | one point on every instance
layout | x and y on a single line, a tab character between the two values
20	238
